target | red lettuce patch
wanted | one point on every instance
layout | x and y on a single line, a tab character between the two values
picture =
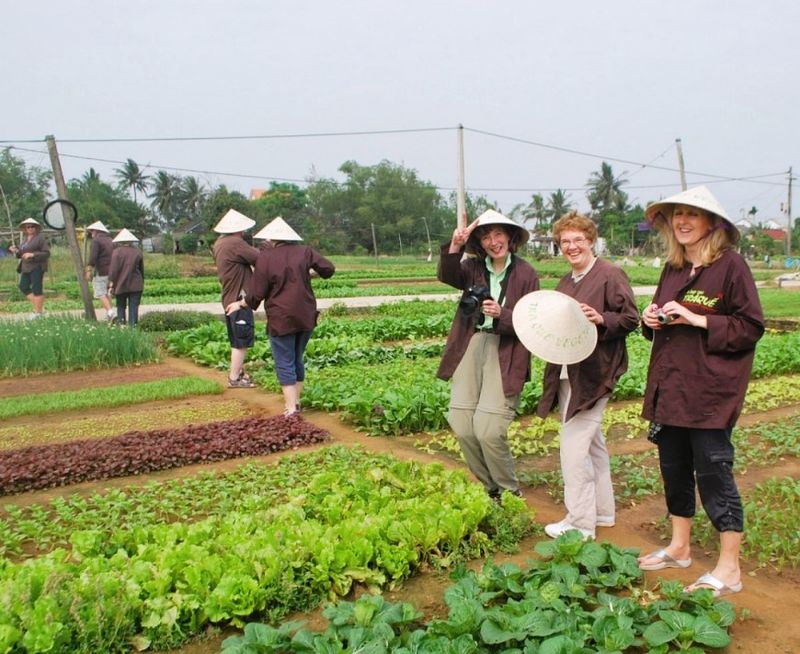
138	452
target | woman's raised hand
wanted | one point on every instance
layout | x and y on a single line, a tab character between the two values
461	236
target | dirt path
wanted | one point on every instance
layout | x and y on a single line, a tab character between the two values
768	606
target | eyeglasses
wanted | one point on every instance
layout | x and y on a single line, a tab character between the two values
575	241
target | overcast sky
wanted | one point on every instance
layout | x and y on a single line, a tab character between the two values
530	81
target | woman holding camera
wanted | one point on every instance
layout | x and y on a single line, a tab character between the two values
483	356
705	320
583	389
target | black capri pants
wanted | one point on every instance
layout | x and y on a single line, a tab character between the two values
704	455
31	283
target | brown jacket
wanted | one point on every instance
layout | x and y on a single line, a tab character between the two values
698	378
282	280
100	254
234	259
41	253
606	289
126	271
521	279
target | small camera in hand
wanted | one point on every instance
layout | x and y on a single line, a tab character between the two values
472	299
665	318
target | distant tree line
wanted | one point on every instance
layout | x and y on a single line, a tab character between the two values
336	216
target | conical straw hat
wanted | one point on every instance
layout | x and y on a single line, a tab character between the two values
492	217
699	197
125	236
99	226
233	222
553	327
277	230
31	221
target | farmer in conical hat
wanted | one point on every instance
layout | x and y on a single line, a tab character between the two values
33	253
126	277
282	279
704	320
98	265
235	258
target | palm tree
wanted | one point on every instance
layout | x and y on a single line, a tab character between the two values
193	195
557	205
132	177
165	197
90	178
604	189
535	211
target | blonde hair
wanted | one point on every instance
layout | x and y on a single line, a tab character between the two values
714	244
576	222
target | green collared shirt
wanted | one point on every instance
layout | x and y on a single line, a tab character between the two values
494	285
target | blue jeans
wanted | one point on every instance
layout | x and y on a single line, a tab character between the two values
287	353
132	301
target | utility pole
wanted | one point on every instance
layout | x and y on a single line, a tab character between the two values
461	205
400	238
789	216
428	234
679	148
69	227
374	242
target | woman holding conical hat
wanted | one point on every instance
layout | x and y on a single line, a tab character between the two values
33	253
582	389
126	277
282	279
704	320
483	356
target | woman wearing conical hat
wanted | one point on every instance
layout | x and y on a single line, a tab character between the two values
33	254
126	277
483	356
704	320
282	279
98	264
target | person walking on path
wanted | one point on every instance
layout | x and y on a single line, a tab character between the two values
483	356
705	320
582	390
33	253
126	277
98	265
234	259
282	279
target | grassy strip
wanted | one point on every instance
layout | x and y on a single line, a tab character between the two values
92	398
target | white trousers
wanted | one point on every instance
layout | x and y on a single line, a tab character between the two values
585	467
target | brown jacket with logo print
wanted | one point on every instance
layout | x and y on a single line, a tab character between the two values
697	377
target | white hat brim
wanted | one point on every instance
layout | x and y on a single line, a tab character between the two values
233	222
553	327
125	236
277	230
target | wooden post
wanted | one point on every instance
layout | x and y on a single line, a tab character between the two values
69	228
679	147
374	242
461	205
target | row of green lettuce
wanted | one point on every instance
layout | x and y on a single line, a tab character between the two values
342	518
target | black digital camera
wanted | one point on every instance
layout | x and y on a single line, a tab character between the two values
472	299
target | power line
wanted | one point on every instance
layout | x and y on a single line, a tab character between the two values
256	137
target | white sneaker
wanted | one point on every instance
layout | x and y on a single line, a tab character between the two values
605	521
555	529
